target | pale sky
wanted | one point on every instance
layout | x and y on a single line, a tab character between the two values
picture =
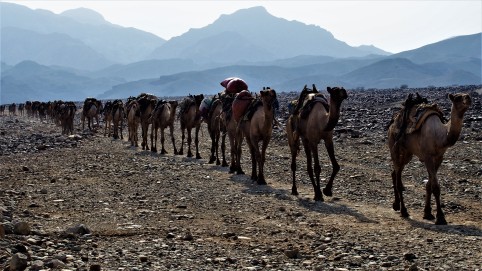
393	26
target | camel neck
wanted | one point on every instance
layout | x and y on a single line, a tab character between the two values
454	126
333	115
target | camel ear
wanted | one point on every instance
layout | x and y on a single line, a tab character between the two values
314	88
451	97
328	89
305	87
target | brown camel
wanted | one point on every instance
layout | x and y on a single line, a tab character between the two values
228	128
133	120
429	144
190	118
118	118
215	128
163	116
91	110
147	102
66	114
257	128
312	124
107	112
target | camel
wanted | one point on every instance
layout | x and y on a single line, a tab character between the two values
91	110
315	124
12	108
429	144
215	127
163	116
133	120
66	113
190	118
228	128
147	102
257	129
107	112
118	118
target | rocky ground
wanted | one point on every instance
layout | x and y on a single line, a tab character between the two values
88	202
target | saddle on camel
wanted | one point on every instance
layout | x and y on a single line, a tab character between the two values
415	110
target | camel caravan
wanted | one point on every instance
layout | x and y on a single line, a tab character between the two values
418	129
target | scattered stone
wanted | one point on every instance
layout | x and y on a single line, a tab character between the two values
21	228
18	262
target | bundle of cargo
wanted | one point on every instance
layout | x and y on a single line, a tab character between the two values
241	104
234	85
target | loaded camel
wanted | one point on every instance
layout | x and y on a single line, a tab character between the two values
147	102
91	110
312	123
212	116
228	126
107	112
118	118
189	119
429	143
257	127
66	113
133	120
162	117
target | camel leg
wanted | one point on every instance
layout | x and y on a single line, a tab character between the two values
223	150
171	131
317	170
399	189
196	142
254	159
216	138
212	158
309	164
153	137
238	141
433	187
163	149
181	150
294	190
331	153
261	160
396	202
189	141
120	129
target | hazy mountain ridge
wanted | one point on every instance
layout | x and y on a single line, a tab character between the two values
258	30
198	60
116	43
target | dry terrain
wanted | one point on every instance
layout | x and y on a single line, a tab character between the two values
89	202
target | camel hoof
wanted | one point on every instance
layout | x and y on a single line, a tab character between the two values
153	150
212	159
218	162
240	172
440	221
294	192
327	192
428	216
404	213
189	154
198	156
224	164
164	152
396	206
319	198
180	152
262	182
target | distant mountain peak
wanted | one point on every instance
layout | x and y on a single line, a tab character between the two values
85	15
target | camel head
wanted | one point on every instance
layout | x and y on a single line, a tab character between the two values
268	96
460	103
337	94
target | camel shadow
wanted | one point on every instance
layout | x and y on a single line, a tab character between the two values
329	207
464	230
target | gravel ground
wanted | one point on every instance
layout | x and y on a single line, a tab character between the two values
88	202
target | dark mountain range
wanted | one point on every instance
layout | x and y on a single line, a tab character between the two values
254	35
115	43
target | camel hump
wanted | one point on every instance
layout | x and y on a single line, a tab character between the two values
416	117
420	113
310	101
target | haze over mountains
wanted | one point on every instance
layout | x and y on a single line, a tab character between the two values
75	54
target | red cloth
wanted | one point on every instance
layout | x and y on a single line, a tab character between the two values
236	85
240	104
